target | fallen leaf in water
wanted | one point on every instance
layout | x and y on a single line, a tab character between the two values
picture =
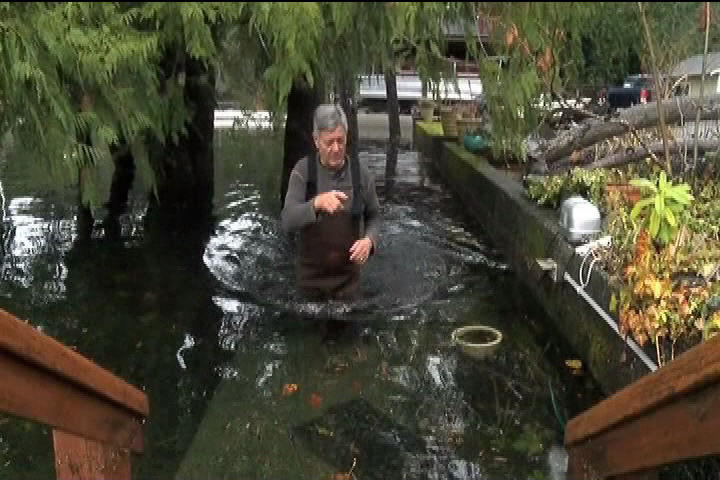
315	400
289	389
574	364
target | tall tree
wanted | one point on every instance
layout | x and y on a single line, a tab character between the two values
89	85
301	103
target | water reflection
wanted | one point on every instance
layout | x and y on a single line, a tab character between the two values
208	324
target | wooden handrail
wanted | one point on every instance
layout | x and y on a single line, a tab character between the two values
21	339
670	415
97	418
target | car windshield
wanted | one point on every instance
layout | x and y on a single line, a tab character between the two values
631	82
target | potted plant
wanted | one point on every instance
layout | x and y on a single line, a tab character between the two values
427	109
448	118
468	123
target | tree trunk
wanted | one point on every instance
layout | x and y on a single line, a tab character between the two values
186	183
85	220
122	181
347	100
596	129
636	154
706	14
658	90
393	110
302	102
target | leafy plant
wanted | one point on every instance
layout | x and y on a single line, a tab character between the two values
669	293
702	216
712	325
665	202
658	300
550	191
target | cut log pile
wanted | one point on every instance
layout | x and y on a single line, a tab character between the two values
630	135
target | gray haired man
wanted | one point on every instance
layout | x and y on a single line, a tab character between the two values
332	203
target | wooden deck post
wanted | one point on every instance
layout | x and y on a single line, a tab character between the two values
97	418
77	458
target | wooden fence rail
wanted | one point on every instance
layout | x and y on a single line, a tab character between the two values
96	417
668	416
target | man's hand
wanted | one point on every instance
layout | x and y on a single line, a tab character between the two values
360	250
329	202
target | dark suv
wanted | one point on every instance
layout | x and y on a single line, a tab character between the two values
635	90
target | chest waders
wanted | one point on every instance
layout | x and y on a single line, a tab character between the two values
324	269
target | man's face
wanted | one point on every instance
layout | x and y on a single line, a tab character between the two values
331	147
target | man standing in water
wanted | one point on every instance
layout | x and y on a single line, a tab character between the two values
332	203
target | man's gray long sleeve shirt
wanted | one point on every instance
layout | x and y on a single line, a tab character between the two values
299	212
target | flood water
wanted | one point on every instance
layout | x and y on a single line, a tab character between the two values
246	382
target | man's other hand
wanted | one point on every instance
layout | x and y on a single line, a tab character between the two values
329	202
360	250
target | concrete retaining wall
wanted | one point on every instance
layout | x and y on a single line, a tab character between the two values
525	232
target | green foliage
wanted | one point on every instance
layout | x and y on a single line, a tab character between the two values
555	50
702	215
676	33
84	82
81	82
664	202
419	28
539	54
553	189
668	284
510	104
610	45
241	66
291	33
330	41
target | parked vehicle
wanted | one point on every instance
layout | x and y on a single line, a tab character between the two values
636	89
372	93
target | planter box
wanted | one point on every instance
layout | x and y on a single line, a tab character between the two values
526	233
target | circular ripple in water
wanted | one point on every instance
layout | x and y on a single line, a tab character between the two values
420	256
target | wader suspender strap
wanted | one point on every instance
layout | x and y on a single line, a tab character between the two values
311	183
357	206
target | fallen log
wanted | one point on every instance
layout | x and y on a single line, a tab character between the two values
624	154
635	154
597	128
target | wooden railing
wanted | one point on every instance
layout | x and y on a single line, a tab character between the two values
96	417
668	416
